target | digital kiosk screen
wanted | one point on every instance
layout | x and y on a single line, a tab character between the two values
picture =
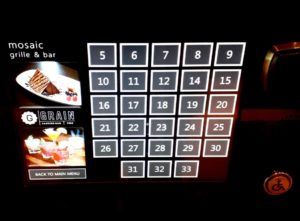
97	111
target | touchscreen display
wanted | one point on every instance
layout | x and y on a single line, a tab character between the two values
96	111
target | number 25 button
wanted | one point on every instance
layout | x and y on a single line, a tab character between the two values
165	54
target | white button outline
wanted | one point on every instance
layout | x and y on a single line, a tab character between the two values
165	44
134	71
192	95
226	70
149	146
114	72
133	96
102	44
191	155
183	71
190	118
216	64
106	156
159	118
132	161
133	156
104	114
133	135
163	96
186	161
160	161
134	44
222	95
110	119
164	71
219	155
194	44
219	118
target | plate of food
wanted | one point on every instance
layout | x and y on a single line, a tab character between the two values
56	88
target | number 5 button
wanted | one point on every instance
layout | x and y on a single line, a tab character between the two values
165	54
134	55
102	54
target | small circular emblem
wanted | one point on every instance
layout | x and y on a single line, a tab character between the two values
278	183
29	118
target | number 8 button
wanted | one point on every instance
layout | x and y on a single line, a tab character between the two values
197	54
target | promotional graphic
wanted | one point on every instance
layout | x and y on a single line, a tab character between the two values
48	104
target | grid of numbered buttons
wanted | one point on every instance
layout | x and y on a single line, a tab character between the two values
161	107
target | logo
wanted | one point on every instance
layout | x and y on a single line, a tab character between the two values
29	118
278	183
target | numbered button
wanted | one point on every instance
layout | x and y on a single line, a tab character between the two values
219	127
133	104
226	80
222	104
197	54
194	80
105	148
162	81
132	169
160	148
162	104
134	54
165	54
230	54
192	104
102	54
186	168
134	81
188	147
104	127
216	148
133	127
103	81
159	169
190	127
160	127
104	105
133	148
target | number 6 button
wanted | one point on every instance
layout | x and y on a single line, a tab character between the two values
134	55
